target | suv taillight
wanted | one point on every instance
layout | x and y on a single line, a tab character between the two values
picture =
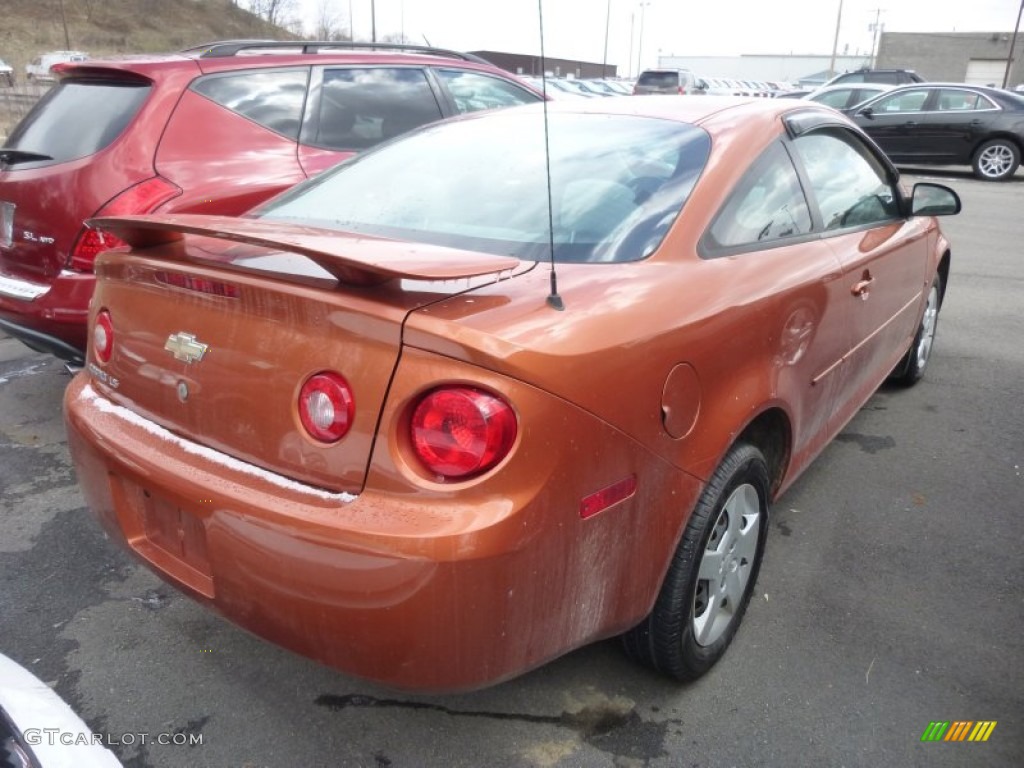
459	432
144	197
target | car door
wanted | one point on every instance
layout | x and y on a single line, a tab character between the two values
894	121
955	123
884	256
353	108
764	230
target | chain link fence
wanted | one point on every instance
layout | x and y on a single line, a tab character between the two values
16	101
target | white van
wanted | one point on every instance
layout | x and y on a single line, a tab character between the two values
39	68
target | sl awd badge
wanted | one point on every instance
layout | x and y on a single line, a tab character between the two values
184	347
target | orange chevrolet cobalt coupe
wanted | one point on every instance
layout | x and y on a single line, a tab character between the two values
510	385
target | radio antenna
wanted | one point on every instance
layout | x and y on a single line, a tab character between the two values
554	300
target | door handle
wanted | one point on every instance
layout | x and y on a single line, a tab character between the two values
862	287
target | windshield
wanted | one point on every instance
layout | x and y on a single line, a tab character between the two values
617	184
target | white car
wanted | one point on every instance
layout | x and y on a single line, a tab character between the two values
39	67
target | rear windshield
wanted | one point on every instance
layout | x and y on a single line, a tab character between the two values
617	184
659	79
77	118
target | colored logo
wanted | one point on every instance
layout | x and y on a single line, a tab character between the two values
959	730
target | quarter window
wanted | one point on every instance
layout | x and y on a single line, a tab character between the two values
769	204
363	107
472	91
956	100
272	99
848	182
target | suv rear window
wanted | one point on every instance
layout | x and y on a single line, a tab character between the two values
77	118
659	79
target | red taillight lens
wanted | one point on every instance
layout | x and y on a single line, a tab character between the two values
144	197
326	406
458	432
103	336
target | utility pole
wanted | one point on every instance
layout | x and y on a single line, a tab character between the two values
875	28
835	43
67	38
1013	44
373	20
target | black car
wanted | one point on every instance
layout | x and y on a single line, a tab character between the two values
882	76
948	124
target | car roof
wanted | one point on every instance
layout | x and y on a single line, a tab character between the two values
231	55
697	110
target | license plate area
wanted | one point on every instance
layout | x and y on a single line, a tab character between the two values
167	534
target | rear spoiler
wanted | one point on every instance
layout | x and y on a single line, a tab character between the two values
351	258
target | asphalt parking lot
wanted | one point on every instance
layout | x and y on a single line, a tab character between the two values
891	597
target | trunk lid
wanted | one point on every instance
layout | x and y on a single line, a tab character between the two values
269	319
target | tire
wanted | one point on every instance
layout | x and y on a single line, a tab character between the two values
996	160
911	368
712	574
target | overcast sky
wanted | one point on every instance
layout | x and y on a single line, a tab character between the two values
576	28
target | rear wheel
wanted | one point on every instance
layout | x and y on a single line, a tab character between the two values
712	574
911	367
996	160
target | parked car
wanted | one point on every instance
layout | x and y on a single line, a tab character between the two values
209	130
668	81
948	124
41	67
846	96
886	76
462	404
39	730
6	74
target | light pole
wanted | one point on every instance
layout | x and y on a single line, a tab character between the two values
373	20
629	61
875	29
607	22
640	42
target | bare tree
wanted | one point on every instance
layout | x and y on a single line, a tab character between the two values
327	25
277	12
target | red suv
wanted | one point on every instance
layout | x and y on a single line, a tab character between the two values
216	129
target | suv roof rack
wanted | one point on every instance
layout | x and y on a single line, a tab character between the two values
223	48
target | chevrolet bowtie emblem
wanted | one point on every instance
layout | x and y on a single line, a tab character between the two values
184	347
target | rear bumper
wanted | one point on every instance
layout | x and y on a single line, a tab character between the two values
438	593
48	318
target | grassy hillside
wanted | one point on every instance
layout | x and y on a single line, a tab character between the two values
103	27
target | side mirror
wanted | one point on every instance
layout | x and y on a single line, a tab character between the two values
867	112
934	200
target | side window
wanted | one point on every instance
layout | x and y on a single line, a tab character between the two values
848	182
273	99
907	101
472	91
361	107
952	100
768	204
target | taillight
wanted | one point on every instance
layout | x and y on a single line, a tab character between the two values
144	197
682	91
459	432
103	336
326	406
